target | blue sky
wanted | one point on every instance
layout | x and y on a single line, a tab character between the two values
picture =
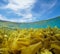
28	10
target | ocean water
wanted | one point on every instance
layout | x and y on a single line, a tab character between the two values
40	24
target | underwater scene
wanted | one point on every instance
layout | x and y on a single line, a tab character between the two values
29	26
38	39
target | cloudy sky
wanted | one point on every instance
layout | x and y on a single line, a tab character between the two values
28	10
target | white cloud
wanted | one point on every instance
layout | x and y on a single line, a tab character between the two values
20	4
27	19
23	8
2	17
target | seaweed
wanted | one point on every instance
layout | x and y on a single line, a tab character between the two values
30	41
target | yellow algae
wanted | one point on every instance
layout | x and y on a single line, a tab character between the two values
32	49
30	41
46	51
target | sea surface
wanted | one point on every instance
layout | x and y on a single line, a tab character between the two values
40	24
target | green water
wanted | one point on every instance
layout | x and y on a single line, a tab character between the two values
41	24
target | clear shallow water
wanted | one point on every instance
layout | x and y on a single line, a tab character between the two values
41	24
